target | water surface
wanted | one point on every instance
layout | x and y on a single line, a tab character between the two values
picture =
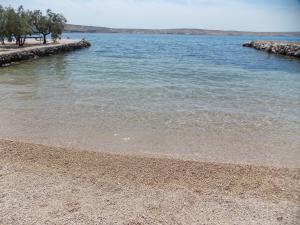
196	97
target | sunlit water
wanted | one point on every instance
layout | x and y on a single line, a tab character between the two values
196	97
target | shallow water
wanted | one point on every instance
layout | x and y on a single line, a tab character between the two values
196	97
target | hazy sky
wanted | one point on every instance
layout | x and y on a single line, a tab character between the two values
248	15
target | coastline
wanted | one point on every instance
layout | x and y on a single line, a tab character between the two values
72	28
52	185
34	49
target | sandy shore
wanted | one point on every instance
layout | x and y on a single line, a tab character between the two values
47	185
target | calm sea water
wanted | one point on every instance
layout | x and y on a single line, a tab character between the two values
196	97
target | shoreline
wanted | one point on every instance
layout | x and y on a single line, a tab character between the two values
72	28
58	185
33	50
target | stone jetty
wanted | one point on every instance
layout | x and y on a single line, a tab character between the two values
276	47
10	53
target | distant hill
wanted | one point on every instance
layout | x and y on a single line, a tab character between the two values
93	29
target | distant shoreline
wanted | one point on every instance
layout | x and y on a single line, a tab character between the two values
94	29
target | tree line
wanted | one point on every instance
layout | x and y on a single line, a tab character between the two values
19	24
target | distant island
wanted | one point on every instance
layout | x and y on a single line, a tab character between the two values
94	29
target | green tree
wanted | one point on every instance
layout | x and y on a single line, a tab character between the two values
3	22
58	23
22	27
16	25
11	24
51	23
19	24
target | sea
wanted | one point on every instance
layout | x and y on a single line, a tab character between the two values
204	98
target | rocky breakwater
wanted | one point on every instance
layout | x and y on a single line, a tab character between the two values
33	51
276	47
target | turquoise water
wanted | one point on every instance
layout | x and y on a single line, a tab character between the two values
196	97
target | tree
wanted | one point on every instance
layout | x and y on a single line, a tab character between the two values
11	24
41	24
51	23
15	24
3	22
19	24
22	27
58	23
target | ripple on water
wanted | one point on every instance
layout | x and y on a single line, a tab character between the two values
199	97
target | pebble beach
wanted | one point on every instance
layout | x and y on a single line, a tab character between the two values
48	185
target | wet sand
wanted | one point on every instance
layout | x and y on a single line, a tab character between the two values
48	185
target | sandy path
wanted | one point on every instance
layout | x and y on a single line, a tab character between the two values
46	185
31	44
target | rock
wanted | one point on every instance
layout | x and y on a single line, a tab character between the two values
297	54
280	218
248	44
280	47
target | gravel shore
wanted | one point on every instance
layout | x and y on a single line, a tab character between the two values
48	185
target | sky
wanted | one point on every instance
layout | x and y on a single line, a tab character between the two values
243	15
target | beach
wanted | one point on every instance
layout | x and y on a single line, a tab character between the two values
49	185
145	113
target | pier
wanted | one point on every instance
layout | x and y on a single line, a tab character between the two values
11	53
276	47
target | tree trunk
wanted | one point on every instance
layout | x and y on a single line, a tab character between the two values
45	39
22	41
17	40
